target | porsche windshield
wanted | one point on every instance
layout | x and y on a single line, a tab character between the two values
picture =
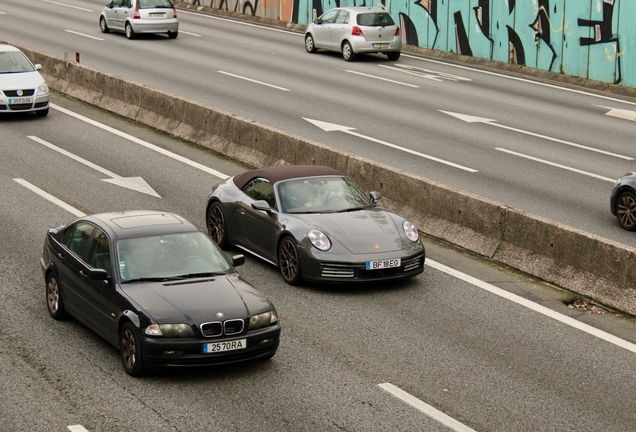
322	195
169	256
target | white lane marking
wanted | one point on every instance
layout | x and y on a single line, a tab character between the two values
330	127
421	75
431	412
565	167
380	78
84	35
191	34
519	79
50	197
252	80
229	20
77	428
135	183
67	5
74	157
474	119
534	306
142	142
414	70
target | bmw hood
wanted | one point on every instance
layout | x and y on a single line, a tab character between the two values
23	80
196	301
362	231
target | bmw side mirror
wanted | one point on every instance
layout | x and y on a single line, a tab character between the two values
99	274
261	205
238	260
375	196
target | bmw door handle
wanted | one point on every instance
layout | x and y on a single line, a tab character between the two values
61	256
82	274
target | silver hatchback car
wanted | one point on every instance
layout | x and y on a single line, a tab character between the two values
22	88
355	30
140	16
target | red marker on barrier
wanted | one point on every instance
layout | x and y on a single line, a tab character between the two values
77	57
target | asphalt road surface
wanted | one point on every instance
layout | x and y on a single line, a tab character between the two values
474	346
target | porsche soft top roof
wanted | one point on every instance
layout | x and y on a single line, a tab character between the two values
285	172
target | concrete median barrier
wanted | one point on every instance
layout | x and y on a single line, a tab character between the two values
575	260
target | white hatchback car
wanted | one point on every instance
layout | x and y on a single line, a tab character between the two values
22	88
140	16
355	30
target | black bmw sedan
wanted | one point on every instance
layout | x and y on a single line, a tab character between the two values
314	223
156	286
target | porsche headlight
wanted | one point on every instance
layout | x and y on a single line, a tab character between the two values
319	240
43	88
263	320
410	231
170	330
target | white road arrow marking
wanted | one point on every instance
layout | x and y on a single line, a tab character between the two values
473	119
331	127
620	113
135	183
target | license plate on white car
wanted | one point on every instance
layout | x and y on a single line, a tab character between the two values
215	347
15	101
157	15
380	46
383	264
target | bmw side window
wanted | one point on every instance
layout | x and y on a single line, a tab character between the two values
99	256
77	241
261	189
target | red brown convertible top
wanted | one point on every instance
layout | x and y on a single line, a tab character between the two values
285	172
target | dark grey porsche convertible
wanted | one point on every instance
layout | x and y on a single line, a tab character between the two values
155	286
315	224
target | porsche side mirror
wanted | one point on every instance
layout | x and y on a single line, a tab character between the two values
375	196
238	260
261	205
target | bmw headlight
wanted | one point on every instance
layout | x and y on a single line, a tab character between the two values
410	231
43	88
170	330
319	240
263	320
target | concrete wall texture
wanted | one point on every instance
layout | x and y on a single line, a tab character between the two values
593	39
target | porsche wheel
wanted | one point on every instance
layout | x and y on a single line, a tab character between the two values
626	211
131	350
217	229
54	299
288	261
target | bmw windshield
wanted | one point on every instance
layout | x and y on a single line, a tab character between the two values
169	256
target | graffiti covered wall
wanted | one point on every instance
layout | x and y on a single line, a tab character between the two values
594	39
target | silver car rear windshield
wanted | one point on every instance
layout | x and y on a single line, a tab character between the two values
152	4
375	19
